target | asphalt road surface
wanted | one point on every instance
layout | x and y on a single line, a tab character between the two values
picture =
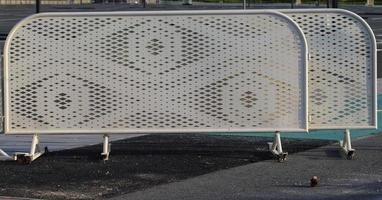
340	179
135	164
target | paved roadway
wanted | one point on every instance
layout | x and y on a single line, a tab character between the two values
340	179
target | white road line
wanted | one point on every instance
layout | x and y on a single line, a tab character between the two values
376	18
5	20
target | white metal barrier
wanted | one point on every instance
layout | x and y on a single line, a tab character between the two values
153	72
190	71
195	71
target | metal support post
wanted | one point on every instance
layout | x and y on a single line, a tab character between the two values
35	152
370	3
106	148
346	145
334	4
187	2
38	3
277	149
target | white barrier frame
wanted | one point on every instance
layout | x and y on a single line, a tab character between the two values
7	129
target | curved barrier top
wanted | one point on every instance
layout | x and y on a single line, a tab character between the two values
342	68
152	72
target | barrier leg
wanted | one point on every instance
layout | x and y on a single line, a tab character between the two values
4	156
277	149
35	152
346	145
106	148
187	2
370	3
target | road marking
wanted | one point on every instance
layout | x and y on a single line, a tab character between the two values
5	20
376	18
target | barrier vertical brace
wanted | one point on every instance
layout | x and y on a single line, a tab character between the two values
276	148
35	152
106	147
346	145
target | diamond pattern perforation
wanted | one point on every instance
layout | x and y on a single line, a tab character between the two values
341	81
163	72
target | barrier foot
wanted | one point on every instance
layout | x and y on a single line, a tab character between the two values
346	147
276	148
35	152
4	156
106	148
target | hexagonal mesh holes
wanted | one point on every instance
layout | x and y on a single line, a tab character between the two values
341	69
126	73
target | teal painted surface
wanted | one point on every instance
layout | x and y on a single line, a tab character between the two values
324	134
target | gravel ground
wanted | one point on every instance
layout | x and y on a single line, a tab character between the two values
135	164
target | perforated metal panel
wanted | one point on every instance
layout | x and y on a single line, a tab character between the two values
342	68
155	72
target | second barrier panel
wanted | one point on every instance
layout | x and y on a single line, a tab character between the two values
342	68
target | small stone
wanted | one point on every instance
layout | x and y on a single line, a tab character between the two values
314	181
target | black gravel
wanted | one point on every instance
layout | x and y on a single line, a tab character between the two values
135	164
